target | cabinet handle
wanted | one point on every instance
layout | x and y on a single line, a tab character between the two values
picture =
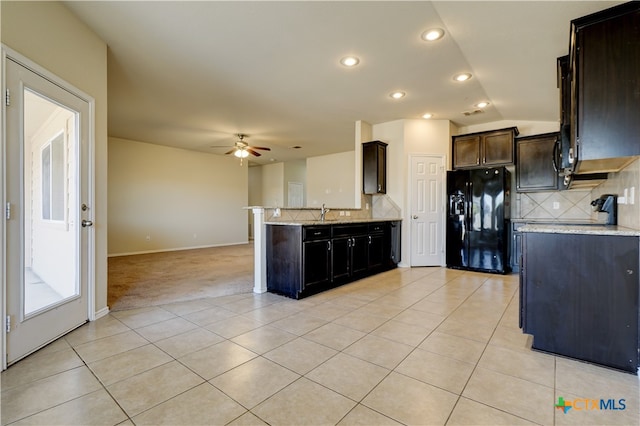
571	156
369	239
328	245
379	187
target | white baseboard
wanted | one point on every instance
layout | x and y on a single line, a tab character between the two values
101	313
176	249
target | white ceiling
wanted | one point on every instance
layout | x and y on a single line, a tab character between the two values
194	74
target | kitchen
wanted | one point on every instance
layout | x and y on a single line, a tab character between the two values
542	171
529	204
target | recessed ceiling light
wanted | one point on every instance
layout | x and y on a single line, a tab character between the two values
482	104
427	115
433	34
350	61
462	76
397	95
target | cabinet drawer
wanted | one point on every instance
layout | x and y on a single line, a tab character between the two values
349	230
376	228
311	233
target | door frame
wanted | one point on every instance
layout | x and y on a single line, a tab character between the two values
443	192
7	53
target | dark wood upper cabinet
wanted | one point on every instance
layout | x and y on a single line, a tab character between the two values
466	151
534	169
484	149
605	84
374	167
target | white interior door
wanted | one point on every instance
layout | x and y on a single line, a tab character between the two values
48	220
427	215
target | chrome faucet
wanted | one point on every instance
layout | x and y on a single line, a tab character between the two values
323	212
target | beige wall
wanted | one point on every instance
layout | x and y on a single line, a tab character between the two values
272	185
407	137
51	36
163	198
526	128
295	171
330	180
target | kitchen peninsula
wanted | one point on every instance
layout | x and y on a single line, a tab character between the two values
304	257
579	292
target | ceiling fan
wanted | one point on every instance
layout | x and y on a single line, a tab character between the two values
241	149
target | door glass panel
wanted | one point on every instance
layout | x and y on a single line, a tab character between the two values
50	204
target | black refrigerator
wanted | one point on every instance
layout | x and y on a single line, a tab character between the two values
478	219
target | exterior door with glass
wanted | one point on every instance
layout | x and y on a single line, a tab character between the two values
48	217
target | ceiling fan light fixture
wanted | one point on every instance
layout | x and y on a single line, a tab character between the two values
482	104
433	34
462	77
241	153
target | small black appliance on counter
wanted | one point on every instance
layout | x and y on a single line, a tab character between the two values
607	203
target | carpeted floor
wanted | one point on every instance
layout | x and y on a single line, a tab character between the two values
159	278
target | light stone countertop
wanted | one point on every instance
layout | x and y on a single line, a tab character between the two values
587	229
331	221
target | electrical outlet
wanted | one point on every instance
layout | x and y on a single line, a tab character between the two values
276	212
632	195
366	206
556	205
341	212
148	238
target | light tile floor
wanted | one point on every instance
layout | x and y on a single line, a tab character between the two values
410	346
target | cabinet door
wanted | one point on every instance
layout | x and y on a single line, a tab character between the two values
376	250
534	171
497	148
466	151
607	83
359	254
374	167
581	296
316	263
340	258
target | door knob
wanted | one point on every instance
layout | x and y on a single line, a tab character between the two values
415	216
86	223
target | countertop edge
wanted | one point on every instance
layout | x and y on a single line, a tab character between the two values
580	229
331	222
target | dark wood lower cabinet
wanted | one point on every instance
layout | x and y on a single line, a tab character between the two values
579	296
316	258
303	260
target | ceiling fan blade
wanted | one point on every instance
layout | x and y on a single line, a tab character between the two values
221	146
229	152
252	152
261	147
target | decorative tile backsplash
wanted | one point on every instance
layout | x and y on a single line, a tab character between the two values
380	207
558	205
384	208
576	204
629	177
